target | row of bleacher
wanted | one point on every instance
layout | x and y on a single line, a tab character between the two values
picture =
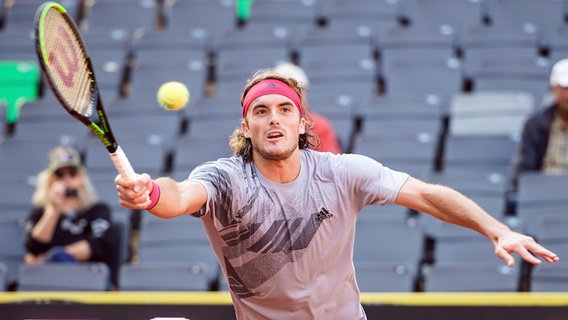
436	88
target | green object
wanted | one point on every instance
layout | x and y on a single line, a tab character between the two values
19	83
243	9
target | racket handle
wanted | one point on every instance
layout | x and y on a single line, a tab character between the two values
122	164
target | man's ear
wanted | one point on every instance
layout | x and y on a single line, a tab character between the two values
302	128
245	129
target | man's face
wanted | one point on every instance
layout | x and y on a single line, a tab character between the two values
273	124
561	97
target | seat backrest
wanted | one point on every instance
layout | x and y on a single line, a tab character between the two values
176	240
385	276
3	276
549	278
391	238
540	194
12	249
479	151
452	276
537	189
489	112
551	227
84	276
540	13
165	276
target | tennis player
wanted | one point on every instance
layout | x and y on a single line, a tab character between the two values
281	217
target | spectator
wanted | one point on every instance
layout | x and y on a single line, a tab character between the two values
322	126
544	141
68	223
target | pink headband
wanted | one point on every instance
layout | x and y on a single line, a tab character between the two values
271	86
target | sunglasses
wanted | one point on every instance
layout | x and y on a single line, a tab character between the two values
68	171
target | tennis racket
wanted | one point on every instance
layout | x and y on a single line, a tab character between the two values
66	64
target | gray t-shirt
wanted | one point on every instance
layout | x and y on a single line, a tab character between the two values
286	249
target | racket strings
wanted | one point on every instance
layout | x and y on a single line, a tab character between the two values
67	63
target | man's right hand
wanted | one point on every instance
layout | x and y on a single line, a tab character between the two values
134	194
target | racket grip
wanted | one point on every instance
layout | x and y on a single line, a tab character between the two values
122	164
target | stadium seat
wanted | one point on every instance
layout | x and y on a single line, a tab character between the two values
12	249
238	52
354	87
423	114
239	63
539	194
47	121
85	276
18	16
539	13
489	112
292	14
553	41
18	190
12	151
449	76
337	54
374	240
3	277
550	277
192	151
385	276
481	41
510	74
449	13
333	43
165	276
120	15
414	42
366	13
550	231
411	154
551	228
215	116
487	153
459	276
389	211
205	18
182	239
490	185
17	46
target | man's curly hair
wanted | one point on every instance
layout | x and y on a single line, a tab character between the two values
243	147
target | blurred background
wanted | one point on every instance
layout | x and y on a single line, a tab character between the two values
436	88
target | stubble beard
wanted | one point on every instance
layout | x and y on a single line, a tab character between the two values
273	155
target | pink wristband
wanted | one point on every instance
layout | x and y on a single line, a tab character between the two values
154	195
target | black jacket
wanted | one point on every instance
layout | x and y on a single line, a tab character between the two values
533	144
91	225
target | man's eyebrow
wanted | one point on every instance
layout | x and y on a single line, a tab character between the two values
285	103
282	104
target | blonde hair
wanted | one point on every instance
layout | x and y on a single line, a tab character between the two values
242	146
87	195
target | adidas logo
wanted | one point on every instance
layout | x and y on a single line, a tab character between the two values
323	214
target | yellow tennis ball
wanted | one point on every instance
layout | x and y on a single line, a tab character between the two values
173	95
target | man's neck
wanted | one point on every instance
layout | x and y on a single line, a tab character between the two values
279	171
